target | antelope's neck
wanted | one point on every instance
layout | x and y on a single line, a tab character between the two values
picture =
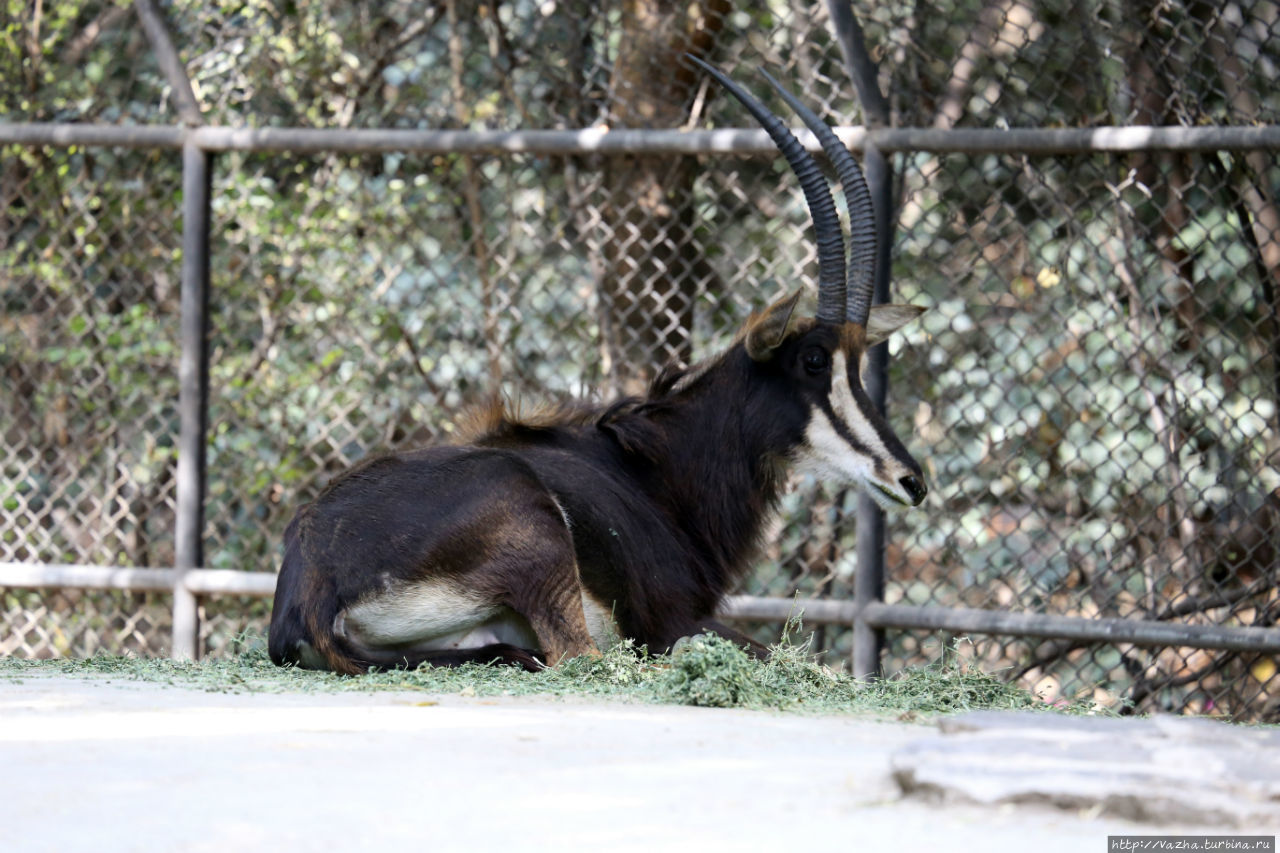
719	478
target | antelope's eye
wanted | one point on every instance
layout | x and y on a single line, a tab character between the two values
816	361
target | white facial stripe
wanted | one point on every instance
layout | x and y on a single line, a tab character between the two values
828	455
846	408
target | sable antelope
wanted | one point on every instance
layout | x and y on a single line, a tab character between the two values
546	538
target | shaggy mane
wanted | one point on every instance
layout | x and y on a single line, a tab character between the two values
501	417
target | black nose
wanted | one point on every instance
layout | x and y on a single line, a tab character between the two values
915	488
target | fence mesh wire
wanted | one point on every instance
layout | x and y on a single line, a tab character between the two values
39	623
1092	393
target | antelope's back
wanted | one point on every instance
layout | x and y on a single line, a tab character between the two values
412	516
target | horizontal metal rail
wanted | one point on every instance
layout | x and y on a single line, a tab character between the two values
94	135
196	581
44	575
230	582
603	140
1140	632
1041	625
1077	140
813	611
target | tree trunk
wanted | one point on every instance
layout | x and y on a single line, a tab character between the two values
1257	193
649	284
1164	175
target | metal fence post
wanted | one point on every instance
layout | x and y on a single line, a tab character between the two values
868	641
868	588
193	395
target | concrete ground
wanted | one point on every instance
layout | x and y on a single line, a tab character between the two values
120	766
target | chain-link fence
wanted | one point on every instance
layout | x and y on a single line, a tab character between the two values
1093	392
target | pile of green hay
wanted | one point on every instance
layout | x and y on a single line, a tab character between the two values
705	671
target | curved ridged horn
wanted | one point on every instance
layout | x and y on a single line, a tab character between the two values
822	208
862	214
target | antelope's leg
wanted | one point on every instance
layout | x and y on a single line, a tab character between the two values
552	602
561	624
538	571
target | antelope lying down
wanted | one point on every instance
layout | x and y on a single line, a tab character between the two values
545	539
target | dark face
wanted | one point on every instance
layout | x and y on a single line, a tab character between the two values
842	438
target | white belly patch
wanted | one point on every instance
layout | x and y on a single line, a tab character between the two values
431	615
435	615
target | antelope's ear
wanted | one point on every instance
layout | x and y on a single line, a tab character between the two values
767	330
884	320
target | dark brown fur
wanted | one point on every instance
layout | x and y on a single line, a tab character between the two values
666	498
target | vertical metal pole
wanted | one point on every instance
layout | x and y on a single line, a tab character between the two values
193	394
868	642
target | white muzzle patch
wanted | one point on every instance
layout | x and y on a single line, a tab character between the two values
830	457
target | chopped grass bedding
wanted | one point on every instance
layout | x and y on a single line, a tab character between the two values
704	670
